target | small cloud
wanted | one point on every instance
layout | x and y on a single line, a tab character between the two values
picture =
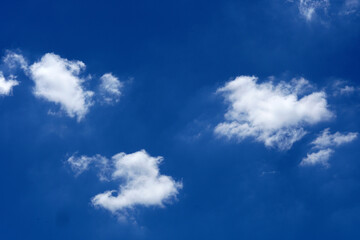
6	85
57	80
13	60
325	142
343	88
320	157
273	114
60	81
141	181
347	90
83	163
110	88
329	140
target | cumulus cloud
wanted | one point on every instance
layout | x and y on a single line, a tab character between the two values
272	114
58	80
324	144
6	85
110	88
308	8
141	181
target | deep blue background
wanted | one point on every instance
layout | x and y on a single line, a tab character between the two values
177	53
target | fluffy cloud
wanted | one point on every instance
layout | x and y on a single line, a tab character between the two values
110	88
141	181
6	86
325	143
308	8
57	80
272	114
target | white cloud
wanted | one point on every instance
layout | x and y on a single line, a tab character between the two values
110	88
6	86
12	60
320	157
272	114
141	181
308	8
328	140
325	142
57	80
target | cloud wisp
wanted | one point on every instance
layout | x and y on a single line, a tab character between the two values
323	9
273	114
350	7
141	181
308	8
324	145
14	60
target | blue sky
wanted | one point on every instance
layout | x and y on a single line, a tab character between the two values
180	119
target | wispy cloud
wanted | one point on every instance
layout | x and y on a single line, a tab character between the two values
10	61
324	144
326	139
13	60
6	85
320	157
350	7
312	9
308	8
